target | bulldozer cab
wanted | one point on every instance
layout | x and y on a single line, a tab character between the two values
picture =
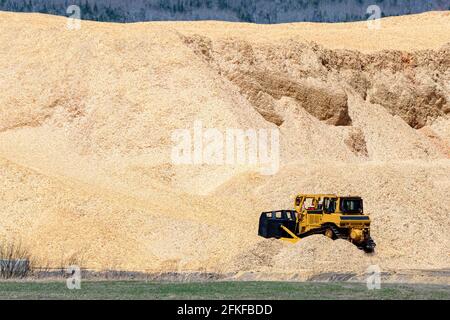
328	204
315	204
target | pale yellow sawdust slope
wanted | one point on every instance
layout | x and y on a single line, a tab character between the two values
85	138
59	219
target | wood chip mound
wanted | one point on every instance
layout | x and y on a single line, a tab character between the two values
86	119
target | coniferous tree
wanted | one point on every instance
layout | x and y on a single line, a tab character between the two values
264	11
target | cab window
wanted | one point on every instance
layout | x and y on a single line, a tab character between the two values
330	205
351	205
309	204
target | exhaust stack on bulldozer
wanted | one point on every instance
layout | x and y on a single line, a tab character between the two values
327	214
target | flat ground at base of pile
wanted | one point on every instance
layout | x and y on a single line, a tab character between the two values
219	290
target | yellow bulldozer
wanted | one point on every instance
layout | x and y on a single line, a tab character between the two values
333	216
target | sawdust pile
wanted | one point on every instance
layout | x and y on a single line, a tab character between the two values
86	119
322	254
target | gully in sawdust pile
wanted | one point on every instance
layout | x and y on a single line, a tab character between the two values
333	216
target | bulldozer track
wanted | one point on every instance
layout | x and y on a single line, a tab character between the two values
336	232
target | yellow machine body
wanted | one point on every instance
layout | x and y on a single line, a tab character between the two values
334	216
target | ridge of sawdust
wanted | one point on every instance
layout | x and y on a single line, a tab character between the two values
411	85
